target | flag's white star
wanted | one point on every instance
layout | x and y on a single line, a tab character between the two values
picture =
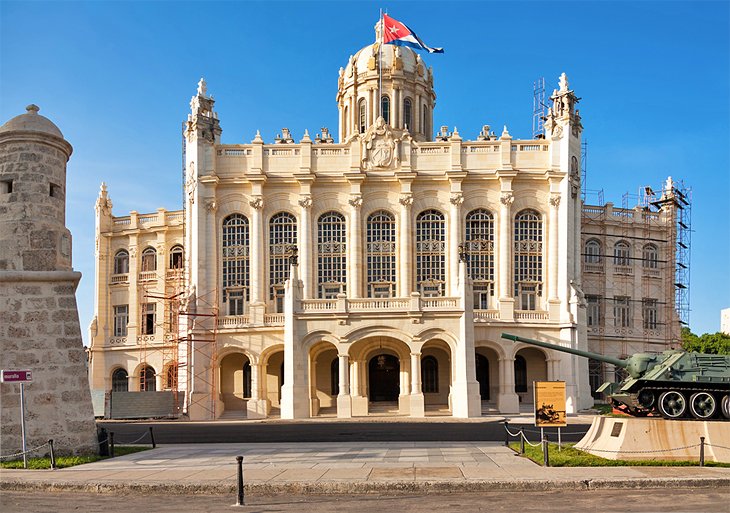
394	30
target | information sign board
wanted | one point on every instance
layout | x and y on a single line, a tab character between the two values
550	404
16	376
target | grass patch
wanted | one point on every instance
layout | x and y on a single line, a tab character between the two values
570	457
70	461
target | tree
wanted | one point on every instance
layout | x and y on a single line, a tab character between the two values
711	343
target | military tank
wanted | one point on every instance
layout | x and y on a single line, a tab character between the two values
675	384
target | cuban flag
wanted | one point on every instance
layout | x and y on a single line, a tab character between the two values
396	33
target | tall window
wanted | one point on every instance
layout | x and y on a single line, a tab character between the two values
430	253
176	257
120	381
332	254
235	254
147	379
149	260
430	374
480	249
520	374
385	108
362	118
380	252
171	376
121	262
650	257
408	114
528	259
650	314
282	235
148	318
593	310
622	254
622	312
592	253
121	319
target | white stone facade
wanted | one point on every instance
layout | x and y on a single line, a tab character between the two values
376	273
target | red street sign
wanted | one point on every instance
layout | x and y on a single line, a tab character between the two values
16	376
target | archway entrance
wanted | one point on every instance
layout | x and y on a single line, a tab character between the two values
482	367
235	376
384	378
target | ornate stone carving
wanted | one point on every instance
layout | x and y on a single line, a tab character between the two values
554	200
406	199
379	147
305	202
211	206
132	251
257	202
355	201
457	198
507	198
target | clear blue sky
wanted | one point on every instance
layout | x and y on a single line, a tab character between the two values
117	77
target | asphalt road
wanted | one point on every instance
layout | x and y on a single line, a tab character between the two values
276	431
595	501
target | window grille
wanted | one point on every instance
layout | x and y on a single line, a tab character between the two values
622	254
176	257
479	242
282	235
430	374
121	262
121	319
235	262
528	259
331	254
149	260
120	381
650	257
622	312
592	253
385	108
380	253
430	252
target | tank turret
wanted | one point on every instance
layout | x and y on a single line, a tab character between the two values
674	384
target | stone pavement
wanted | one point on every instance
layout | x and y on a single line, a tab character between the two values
347	467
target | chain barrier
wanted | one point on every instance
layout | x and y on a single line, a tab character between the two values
647	451
538	444
117	442
7	456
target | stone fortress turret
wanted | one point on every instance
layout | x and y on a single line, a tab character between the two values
39	324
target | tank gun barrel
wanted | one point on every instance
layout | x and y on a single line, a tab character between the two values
586	354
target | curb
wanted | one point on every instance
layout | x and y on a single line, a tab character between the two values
367	487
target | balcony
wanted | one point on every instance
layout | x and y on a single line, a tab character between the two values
147	276
119	278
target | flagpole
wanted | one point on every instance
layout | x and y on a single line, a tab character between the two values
380	65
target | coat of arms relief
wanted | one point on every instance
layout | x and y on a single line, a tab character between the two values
380	149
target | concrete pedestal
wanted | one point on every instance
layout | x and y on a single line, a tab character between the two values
630	438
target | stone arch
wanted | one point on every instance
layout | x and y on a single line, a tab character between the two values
437	372
487	359
233	203
535	360
321	355
119	378
234	380
327	201
271	377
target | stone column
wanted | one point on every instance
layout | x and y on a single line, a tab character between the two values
256	257
359	399
507	400
418	408
405	278
211	207
371	108
256	406
453	241
506	300
344	401
395	108
135	319
295	402
553	258
417	128
354	253
305	249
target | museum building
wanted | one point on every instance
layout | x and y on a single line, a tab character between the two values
372	275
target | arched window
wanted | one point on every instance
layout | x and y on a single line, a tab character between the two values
380	253
120	382
479	243
331	254
121	262
235	265
282	239
176	257
430	374
430	253
149	260
362	118
650	257
385	108
407	114
335	376
147	379
528	259
622	254
171	377
520	375
592	253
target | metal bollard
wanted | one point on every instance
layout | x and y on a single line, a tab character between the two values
111	444
240	501
152	437
545	457
522	441
506	433
53	455
702	451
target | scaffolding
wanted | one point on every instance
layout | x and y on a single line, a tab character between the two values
539	109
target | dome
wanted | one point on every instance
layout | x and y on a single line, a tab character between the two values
31	121
362	63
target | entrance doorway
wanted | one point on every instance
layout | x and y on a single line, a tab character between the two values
482	365
384	378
